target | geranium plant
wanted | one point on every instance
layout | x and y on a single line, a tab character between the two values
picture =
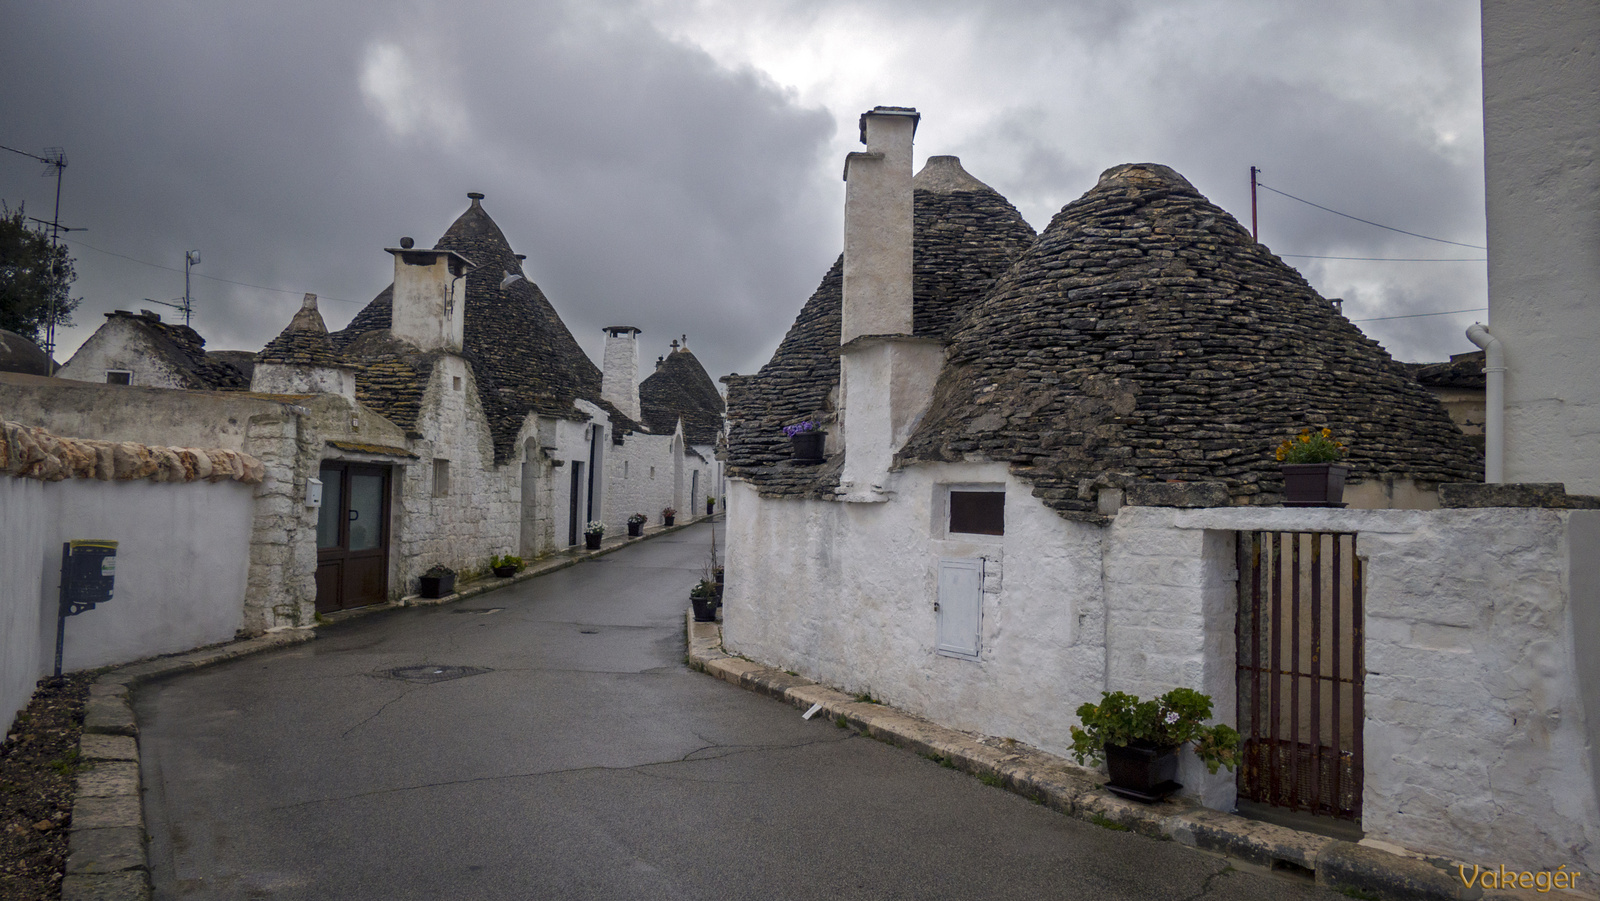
1172	720
669	511
799	428
638	519
1311	447
595	527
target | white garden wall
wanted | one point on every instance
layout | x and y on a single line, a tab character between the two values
182	558
1478	731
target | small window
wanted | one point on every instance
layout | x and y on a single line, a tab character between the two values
441	477
978	512
119	377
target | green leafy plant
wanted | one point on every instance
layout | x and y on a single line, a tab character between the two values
1172	720
499	561
1311	447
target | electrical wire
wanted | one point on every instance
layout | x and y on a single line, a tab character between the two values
1309	256
76	242
1420	315
1367	221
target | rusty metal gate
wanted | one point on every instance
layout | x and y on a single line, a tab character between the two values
1300	671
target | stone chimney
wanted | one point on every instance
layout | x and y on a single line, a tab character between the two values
886	374
429	295
619	381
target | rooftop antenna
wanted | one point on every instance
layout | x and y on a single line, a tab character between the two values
190	258
55	161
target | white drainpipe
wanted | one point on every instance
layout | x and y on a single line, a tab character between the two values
1494	413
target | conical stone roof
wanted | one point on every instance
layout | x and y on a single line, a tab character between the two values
1146	336
523	356
678	388
965	236
304	342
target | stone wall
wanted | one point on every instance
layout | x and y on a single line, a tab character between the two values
643	475
1478	731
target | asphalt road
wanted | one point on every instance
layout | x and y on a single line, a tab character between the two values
580	758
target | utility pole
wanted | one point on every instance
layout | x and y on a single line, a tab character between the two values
1254	234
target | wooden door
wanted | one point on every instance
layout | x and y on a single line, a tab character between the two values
353	536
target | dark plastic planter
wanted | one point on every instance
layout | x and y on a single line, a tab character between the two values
806	447
591	540
1142	773
505	572
667	520
705	609
635	529
711	507
434	587
1314	484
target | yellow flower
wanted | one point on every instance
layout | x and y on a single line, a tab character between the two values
1328	433
1305	438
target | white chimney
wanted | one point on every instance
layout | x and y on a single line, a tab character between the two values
886	375
619	380
429	296
877	226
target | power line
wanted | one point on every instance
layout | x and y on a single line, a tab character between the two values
213	278
1420	315
1367	221
1308	256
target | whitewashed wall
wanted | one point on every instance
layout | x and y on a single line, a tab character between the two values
642	475
481	514
1478	731
120	344
24	524
844	593
182	557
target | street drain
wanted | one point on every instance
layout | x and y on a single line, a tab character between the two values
588	631
432	672
480	611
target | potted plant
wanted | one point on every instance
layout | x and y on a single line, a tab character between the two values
636	525
805	442
711	504
505	566
1312	474
592	533
438	581
704	598
1139	740
667	514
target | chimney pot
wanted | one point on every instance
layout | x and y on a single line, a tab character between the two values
407	243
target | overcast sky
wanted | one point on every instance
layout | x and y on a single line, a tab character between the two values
675	164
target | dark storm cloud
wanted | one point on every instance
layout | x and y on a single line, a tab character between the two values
291	144
682	190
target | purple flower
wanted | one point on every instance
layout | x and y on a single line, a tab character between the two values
799	428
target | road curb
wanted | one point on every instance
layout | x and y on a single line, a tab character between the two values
1061	785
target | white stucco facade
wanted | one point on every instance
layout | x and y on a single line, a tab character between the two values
121	345
1478	730
1541	110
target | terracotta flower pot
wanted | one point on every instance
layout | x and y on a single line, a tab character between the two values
1314	484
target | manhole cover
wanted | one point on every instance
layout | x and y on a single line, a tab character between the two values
480	611
432	672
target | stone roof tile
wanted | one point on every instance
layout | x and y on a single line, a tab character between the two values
678	388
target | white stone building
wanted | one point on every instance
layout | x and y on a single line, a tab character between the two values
140	349
1540	115
1050	473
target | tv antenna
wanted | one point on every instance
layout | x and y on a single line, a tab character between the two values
191	258
55	161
